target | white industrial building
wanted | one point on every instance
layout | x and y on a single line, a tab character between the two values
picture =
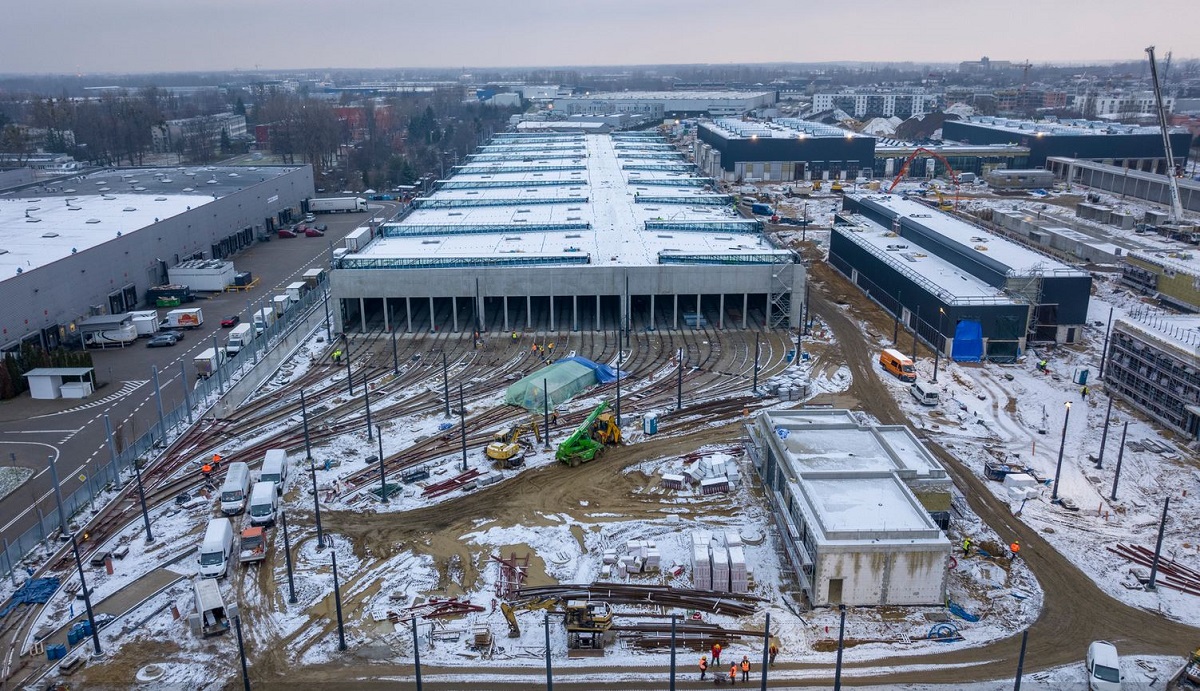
568	231
668	104
854	505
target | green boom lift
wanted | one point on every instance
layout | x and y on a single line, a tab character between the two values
589	438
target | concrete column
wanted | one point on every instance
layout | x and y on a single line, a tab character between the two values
505	298
551	312
745	308
408	312
482	315
454	312
721	314
653	324
387	324
528	312
675	318
597	312
622	315
574	312
432	324
698	312
362	314
767	325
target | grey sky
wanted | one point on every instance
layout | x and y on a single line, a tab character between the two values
89	36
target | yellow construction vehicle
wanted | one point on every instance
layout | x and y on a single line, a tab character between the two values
816	185
508	448
587	622
510	612
836	187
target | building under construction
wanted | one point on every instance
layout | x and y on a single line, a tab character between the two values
969	293
1153	364
568	231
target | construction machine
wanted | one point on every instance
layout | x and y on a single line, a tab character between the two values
597	431
508	446
1175	214
836	187
587	622
509	610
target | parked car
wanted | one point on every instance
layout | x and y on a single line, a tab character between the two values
321	227
1103	667
314	233
286	233
162	341
231	321
310	217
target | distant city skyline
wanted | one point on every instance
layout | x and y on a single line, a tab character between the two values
137	36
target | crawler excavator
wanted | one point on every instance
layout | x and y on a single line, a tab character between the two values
508	447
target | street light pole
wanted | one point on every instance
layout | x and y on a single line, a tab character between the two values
287	554
1104	434
87	596
312	469
937	348
1062	445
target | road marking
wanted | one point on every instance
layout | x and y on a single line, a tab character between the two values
128	388
44	431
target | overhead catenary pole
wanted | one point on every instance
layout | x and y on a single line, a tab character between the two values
679	383
756	352
162	423
337	601
1061	445
1120	455
937	347
237	627
549	669
367	405
416	653
674	618
217	367
287	556
1104	434
137	474
349	376
187	390
445	384
1021	660
1104	350
395	355
112	448
462	425
62	515
87	596
382	472
837	674
766	651
312	469
1162	526
896	321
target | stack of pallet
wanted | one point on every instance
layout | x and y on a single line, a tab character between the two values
720	565
739	578
701	564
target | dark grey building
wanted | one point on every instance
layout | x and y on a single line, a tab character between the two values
782	150
95	244
1131	146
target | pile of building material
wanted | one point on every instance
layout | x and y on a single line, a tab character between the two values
719	563
791	386
640	556
1021	485
654	595
715	475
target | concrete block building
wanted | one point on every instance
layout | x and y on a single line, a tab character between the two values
668	104
95	245
971	294
569	231
781	150
854	506
1133	146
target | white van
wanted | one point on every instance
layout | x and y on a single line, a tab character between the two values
235	488
275	469
263	502
1103	667
926	393
216	548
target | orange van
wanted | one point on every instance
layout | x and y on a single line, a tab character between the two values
898	364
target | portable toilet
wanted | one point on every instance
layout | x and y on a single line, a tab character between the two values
650	423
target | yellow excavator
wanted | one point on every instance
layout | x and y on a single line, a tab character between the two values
510	612
508	448
587	622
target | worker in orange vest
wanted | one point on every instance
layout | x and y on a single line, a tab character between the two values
732	672
745	668
774	651
1016	549
206	470
216	461
703	666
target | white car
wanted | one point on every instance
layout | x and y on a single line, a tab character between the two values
1103	667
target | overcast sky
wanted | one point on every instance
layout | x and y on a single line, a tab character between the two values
89	36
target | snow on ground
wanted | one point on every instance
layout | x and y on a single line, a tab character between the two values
11	478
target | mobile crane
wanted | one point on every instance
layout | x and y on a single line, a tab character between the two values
1175	216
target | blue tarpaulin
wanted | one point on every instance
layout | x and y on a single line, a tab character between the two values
968	342
604	373
35	590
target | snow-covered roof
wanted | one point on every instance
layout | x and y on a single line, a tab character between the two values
676	95
1184	262
941	277
614	200
836	442
37	231
863	507
971	239
1061	128
780	128
1180	331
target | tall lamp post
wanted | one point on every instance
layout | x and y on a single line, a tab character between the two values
937	347
1062	444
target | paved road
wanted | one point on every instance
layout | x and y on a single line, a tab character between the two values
73	431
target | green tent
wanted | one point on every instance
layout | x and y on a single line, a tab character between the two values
558	383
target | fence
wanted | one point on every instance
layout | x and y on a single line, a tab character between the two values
117	472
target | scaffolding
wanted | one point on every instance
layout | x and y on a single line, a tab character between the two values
746	226
405	230
779	298
687	199
428	203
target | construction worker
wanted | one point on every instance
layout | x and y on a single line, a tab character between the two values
554	418
733	672
745	668
514	335
337	355
703	666
1015	547
216	461
1084	392
966	546
533	348
205	471
550	347
773	652
716	653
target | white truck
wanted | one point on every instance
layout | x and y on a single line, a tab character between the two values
208	361
239	338
280	303
337	204
146	322
184	318
210	617
296	291
263	319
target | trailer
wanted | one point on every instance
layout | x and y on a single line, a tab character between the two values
209	275
107	330
313	278
263	319
357	239
146	322
296	291
210	617
252	546
337	205
240	337
280	304
186	318
208	362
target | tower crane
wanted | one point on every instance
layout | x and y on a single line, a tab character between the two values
1176	214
